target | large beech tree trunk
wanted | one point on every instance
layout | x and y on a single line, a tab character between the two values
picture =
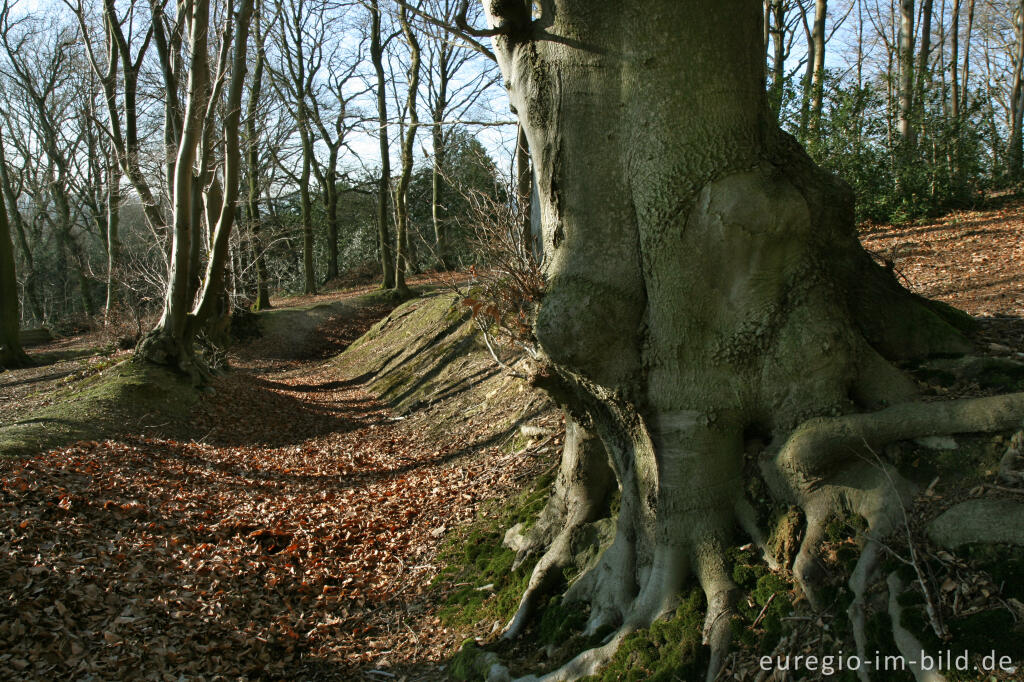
170	342
706	291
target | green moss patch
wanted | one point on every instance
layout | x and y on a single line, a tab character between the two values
482	586
769	601
110	401
668	650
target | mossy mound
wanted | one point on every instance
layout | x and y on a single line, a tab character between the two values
428	357
668	650
114	399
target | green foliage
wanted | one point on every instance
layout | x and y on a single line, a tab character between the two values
467	169
894	182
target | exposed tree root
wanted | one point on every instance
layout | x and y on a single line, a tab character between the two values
580	496
10	359
587	663
818	445
979	521
910	647
813	470
160	347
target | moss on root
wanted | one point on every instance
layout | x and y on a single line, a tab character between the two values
668	650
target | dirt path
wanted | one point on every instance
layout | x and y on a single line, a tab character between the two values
294	537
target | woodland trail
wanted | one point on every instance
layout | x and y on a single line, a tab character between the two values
294	537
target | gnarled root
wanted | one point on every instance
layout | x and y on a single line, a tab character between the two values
680	510
818	445
580	496
984	520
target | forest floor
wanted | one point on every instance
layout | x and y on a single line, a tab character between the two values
289	530
292	527
971	259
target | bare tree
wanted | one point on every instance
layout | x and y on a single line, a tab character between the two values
331	114
410	129
253	169
11	354
377	45
301	34
906	66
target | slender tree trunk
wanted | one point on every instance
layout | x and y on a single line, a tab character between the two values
967	56
1013	147
818	79
437	208
306	204
212	298
330	199
384	184
923	64
113	233
906	66
808	77
778	31
402	193
252	133
954	65
11	354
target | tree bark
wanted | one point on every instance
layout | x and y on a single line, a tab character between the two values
212	294
437	208
954	64
906	66
923	68
778	33
113	224
384	183
306	204
1014	152
11	353
252	134
31	281
402	192
967	55
439	169
818	77
706	292
166	343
